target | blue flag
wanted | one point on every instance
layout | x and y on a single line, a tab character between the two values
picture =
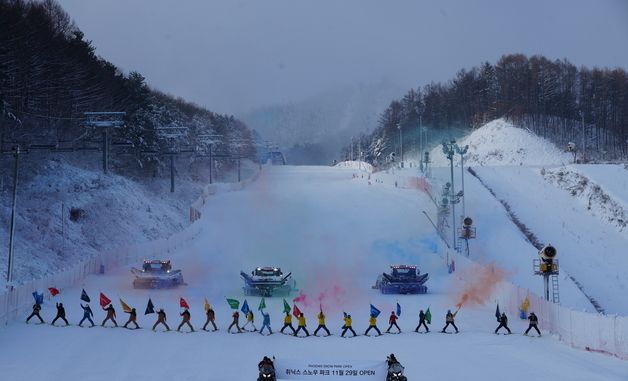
39	298
374	311
150	308
245	307
84	296
398	309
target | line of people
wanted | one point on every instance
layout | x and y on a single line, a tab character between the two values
250	321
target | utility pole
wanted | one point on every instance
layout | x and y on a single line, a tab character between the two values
400	143
105	121
462	152
583	138
13	212
448	150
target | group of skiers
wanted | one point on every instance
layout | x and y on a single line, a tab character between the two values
287	321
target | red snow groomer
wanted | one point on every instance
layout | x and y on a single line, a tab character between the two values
403	279
156	273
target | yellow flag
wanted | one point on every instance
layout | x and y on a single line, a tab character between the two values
525	305
207	306
125	307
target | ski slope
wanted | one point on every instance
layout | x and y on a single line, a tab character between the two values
335	233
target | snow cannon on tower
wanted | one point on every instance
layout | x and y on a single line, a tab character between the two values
547	267
267	281
156	273
402	279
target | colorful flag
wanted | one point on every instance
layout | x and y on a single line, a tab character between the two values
374	311
85	297
39	298
286	307
183	303
262	304
150	308
207	305
125	307
398	309
233	303
497	313
245	307
525	304
104	300
296	311
53	291
428	316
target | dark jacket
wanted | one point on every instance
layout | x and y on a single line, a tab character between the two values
60	310
211	315
186	315
161	316
87	311
111	312
533	319
36	308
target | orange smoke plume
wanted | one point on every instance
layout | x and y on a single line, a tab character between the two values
478	284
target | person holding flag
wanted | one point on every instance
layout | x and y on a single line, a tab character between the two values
347	325
185	319
321	323
302	325
87	314
36	308
392	320
250	318
235	322
503	322
60	314
287	322
211	316
423	318
372	325
449	319
111	315
265	322
132	318
161	319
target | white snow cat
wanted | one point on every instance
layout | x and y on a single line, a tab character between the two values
156	273
267	281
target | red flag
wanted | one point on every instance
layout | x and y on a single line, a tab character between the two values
104	300
53	291
183	303
296	311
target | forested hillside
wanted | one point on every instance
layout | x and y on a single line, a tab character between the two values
50	75
554	99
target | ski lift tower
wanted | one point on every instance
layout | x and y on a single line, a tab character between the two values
171	135
105	121
547	266
208	140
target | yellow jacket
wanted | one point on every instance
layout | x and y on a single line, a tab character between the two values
373	320
321	319
301	321
249	316
347	322
287	319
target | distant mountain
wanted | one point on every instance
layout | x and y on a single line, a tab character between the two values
313	131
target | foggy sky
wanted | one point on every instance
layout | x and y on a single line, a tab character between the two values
234	55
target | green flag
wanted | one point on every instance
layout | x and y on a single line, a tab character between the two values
428	316
233	303
286	307
262	304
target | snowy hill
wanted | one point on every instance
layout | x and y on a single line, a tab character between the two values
499	143
108	211
313	130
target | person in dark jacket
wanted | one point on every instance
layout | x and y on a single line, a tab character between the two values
132	318
235	322
392	320
392	359
421	322
449	319
161	319
185	319
534	322
211	317
266	362
503	322
35	313
111	315
87	315
60	314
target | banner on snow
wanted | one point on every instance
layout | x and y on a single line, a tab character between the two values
290	369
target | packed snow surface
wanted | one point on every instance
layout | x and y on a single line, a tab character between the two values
500	143
336	234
